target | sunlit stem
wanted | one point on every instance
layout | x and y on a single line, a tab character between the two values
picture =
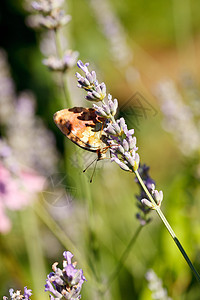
167	225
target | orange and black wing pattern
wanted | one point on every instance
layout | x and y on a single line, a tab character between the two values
82	126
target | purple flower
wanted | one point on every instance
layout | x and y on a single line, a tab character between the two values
17	295
83	67
143	170
27	293
95	91
143	204
67	282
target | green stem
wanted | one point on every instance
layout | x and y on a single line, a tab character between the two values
122	259
32	240
60	235
63	79
93	243
167	225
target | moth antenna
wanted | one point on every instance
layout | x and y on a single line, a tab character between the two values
93	170
90	164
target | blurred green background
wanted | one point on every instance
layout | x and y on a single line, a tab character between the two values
163	39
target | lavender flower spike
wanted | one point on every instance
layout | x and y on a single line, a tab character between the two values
63	64
17	295
120	140
144	205
122	145
95	91
67	282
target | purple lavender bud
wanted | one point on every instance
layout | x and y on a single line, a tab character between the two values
96	95
89	77
137	161
100	111
27	293
90	96
103	89
98	89
94	77
147	203
106	109
132	142
116	128
130	158
113	106
122	165
110	129
96	83
78	75
122	124
49	288
125	145
121	149
84	82
109	97
130	132
83	67
158	196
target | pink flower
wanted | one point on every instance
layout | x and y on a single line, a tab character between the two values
16	192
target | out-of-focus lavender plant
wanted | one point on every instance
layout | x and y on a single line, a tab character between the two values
32	144
18	296
50	15
65	283
27	148
179	118
155	285
115	34
113	31
122	145
191	92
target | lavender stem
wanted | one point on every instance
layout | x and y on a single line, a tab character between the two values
167	225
